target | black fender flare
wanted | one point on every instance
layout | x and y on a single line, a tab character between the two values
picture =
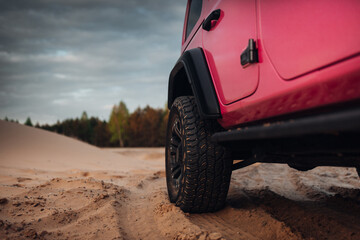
191	76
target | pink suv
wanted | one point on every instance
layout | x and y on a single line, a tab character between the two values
261	81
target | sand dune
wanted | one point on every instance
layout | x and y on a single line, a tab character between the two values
42	150
54	187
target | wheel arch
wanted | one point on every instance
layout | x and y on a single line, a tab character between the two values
191	77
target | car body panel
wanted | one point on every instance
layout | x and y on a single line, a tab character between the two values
301	36
188	42
223	45
274	96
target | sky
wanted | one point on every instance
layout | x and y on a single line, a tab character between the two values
59	58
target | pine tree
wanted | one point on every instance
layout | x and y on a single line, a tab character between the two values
28	122
84	128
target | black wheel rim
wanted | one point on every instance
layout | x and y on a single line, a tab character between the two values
176	154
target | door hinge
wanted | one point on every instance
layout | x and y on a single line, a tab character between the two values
250	55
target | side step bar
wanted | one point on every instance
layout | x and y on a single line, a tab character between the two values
340	121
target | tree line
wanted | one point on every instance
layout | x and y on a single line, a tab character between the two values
145	127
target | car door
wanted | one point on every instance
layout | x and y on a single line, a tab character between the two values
302	36
223	45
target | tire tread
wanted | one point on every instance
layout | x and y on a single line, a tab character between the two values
208	165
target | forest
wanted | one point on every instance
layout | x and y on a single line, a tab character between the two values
145	127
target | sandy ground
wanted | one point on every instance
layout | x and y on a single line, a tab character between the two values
54	187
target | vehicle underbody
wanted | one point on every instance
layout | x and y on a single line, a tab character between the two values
303	142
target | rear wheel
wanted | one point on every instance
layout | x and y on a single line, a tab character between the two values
198	171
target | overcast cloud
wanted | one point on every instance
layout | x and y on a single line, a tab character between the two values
61	57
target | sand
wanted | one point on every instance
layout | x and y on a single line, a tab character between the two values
55	187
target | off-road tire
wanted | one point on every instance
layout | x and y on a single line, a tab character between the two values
203	180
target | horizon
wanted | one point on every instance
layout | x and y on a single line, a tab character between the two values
61	58
79	116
